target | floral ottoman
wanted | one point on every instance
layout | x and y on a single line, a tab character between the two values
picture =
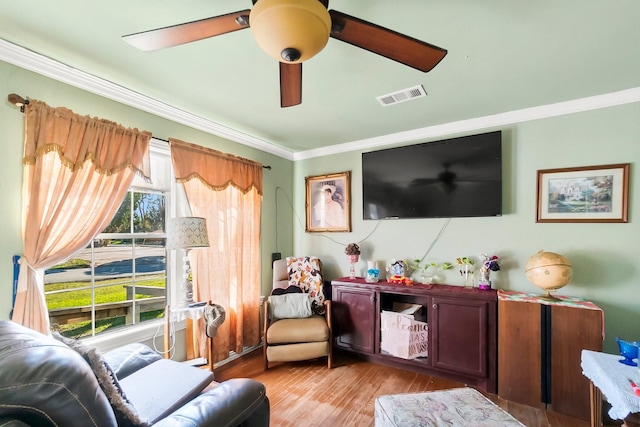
456	407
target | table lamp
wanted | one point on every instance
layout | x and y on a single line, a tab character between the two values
187	233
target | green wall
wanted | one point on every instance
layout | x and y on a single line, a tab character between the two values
604	256
54	93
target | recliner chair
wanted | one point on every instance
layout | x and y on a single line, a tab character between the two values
297	318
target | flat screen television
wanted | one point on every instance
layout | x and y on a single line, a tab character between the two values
458	177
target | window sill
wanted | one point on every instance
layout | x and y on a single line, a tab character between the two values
150	331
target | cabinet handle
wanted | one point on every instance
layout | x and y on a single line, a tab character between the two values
435	306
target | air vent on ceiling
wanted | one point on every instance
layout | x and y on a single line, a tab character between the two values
402	96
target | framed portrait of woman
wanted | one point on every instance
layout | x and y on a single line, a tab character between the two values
328	203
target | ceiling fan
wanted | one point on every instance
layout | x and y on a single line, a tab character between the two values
292	31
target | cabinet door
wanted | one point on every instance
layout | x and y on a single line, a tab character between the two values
353	315
572	330
460	335
519	352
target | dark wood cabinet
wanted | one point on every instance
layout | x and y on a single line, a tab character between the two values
540	343
462	327
353	317
460	335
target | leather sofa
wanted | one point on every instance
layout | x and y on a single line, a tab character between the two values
46	381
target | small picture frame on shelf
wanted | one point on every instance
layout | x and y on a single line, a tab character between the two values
328	203
583	194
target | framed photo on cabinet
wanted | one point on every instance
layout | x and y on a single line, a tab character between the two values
583	194
328	203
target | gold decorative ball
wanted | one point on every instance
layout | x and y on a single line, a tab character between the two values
548	270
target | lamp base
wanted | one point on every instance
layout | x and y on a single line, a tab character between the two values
187	284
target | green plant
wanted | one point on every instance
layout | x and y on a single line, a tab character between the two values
416	266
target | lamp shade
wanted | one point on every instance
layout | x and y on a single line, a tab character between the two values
282	26
187	232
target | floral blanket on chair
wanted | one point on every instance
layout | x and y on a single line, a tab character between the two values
305	273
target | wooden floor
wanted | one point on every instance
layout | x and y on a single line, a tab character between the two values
309	394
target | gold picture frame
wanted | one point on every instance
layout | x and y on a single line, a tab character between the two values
583	194
328	203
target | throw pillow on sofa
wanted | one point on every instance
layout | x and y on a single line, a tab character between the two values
290	306
125	413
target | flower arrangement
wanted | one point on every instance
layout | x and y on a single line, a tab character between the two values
352	249
490	262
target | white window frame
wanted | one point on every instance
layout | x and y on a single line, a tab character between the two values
152	330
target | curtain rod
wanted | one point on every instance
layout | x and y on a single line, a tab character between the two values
20	102
17	101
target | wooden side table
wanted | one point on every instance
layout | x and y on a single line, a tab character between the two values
610	377
177	314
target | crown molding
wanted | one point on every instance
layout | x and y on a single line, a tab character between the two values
612	99
32	61
48	67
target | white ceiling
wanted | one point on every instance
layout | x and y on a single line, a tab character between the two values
503	56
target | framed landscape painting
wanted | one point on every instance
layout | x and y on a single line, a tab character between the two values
328	202
583	194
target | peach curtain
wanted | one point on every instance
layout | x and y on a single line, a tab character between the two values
227	191
77	170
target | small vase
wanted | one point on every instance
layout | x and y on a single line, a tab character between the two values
467	274
437	276
484	282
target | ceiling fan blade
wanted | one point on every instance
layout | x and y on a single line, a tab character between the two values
290	84
388	43
189	32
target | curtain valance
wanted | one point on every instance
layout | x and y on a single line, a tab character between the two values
214	169
77	139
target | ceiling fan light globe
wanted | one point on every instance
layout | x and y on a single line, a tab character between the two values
290	24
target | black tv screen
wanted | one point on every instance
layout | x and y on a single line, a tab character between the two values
458	177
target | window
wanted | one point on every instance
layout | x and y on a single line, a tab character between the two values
120	278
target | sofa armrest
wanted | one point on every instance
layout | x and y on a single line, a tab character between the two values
267	318
235	402
44	382
130	358
327	314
